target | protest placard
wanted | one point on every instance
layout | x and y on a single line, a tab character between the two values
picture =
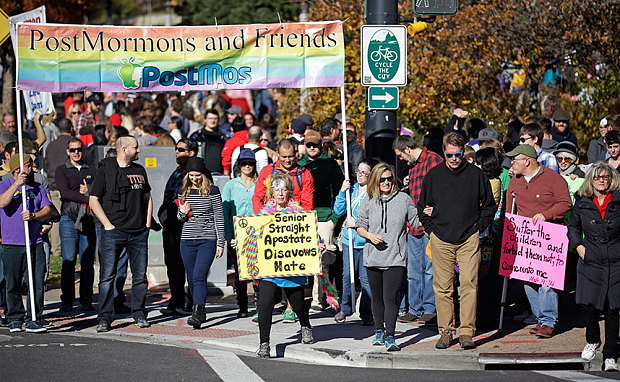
277	245
534	253
63	58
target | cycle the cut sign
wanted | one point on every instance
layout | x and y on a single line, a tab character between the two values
384	55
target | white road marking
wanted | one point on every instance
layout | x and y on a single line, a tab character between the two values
228	366
568	375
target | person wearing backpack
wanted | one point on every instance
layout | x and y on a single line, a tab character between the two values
262	157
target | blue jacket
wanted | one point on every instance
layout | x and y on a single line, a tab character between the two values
340	208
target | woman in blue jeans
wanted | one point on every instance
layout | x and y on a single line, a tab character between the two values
358	193
202	237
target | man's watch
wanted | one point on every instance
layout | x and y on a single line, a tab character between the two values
33	215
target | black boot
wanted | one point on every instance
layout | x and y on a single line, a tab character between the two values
198	316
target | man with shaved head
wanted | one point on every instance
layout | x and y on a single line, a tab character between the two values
120	197
261	155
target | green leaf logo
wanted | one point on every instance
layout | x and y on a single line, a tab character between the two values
130	73
383	55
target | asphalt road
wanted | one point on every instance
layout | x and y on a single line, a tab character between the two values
42	357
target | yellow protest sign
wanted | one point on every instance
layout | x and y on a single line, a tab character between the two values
5	32
277	245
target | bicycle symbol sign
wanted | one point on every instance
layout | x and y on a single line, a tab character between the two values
384	55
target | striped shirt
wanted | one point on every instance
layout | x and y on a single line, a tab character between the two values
207	220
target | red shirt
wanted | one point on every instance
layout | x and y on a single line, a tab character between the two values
546	193
238	139
602	207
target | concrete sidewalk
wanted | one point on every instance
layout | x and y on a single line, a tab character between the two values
347	344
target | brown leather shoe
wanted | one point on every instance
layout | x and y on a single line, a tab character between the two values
535	329
467	342
445	341
545	332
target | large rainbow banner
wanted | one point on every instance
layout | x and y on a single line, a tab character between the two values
66	58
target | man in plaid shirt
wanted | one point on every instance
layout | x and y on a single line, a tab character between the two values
87	118
420	294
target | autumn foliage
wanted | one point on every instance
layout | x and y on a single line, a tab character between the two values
458	60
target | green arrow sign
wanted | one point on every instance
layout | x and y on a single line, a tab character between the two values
383	97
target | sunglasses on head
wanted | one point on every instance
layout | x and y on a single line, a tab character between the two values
76	150
388	179
180	149
312	145
454	155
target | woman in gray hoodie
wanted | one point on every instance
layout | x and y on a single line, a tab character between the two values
382	220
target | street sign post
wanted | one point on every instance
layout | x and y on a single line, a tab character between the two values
435	7
383	98
384	55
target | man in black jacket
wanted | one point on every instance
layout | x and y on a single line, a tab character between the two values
456	204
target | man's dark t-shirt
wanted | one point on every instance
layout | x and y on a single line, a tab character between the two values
127	211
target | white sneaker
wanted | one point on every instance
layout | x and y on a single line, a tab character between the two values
530	320
610	364
589	351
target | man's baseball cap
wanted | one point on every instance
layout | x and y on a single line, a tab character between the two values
313	136
14	161
234	110
487	134
298	126
526	150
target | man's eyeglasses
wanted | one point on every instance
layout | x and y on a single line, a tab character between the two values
180	149
516	159
523	139
388	179
76	150
312	145
362	173
454	155
565	159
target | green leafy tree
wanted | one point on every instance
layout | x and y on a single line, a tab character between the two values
202	12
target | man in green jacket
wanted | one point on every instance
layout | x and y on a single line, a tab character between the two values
328	178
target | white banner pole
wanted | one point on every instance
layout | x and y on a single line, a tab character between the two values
24	203
348	195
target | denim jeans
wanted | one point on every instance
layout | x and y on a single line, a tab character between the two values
360	272
74	242
121	272
113	243
544	303
419	288
15	270
197	257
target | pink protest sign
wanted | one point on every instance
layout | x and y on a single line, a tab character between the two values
534	253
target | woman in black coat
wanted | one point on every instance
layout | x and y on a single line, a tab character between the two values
597	215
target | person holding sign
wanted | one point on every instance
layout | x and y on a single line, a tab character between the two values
279	199
596	214
541	194
385	256
202	238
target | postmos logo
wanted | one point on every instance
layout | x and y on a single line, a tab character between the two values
134	75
